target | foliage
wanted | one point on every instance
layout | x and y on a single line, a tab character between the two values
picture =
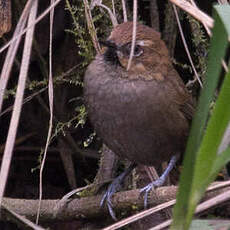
80	32
200	42
202	159
85	51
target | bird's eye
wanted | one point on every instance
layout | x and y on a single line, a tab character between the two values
137	51
127	50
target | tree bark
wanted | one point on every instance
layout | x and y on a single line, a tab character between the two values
89	207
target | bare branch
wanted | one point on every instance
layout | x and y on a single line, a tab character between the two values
195	12
89	207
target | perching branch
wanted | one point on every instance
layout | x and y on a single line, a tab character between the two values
89	207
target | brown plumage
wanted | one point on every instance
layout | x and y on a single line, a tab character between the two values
142	114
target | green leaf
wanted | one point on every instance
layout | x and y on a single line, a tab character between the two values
216	127
201	153
220	162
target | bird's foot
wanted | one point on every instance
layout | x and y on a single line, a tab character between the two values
114	187
149	187
159	182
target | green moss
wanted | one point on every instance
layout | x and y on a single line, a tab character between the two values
201	43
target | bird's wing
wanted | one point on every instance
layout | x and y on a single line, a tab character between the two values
188	108
182	96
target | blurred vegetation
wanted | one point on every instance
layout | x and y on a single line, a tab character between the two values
72	52
206	153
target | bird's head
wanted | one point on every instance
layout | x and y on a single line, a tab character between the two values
150	52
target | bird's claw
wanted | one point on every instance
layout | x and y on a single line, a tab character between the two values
148	188
159	182
145	190
113	188
107	198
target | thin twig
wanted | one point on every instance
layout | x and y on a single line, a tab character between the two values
39	18
205	26
50	89
200	208
6	69
94	3
91	27
225	65
158	208
64	200
114	10
186	47
18	102
29	98
111	15
140	215
195	12
124	10
26	221
134	33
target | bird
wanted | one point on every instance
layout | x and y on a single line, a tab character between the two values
143	113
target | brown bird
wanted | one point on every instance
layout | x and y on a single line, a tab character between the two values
142	114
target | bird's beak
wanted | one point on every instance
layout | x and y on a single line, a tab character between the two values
109	44
112	46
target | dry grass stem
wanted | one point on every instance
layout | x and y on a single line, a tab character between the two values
111	14
202	207
124	10
205	26
29	98
38	19
51	99
140	215
114	10
218	199
9	59
186	47
195	12
134	33
18	101
225	65
24	220
91	27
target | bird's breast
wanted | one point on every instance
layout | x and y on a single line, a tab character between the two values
134	118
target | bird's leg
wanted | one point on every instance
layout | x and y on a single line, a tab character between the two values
114	187
159	181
